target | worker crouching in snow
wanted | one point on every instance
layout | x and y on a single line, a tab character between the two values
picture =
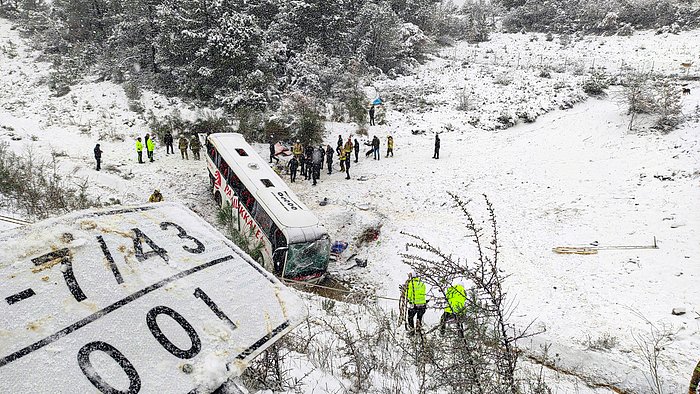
156	196
455	310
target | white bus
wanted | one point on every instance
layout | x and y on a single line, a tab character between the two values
292	242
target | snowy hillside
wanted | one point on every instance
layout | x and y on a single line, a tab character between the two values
572	178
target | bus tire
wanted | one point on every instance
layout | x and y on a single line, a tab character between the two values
217	197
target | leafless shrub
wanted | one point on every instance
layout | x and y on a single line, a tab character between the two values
636	96
668	106
504	79
465	100
656	99
604	342
111	135
536	382
270	372
650	347
484	359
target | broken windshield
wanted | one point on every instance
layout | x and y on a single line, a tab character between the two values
307	260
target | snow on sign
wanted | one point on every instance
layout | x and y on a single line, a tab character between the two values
145	299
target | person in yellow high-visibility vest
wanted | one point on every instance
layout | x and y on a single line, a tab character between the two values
415	296
139	149
297	150
456	298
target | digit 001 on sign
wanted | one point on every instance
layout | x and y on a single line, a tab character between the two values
136	300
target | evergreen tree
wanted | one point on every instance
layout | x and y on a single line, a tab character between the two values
377	35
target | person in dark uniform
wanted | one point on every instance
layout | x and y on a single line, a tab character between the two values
436	154
317	162
340	145
329	158
293	164
356	146
98	156
371	116
308	162
168	140
272	150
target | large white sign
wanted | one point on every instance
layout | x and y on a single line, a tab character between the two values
146	299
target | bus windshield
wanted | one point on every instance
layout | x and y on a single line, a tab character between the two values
307	260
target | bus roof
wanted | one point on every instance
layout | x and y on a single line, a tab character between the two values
268	188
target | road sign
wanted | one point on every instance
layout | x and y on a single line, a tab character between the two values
145	299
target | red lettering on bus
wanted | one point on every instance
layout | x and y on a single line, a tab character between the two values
228	192
217	182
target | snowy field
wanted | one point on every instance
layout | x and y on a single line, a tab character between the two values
571	178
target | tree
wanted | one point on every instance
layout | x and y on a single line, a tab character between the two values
636	96
320	22
376	35
207	47
133	37
668	106
476	25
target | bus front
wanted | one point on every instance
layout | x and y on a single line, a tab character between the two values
307	261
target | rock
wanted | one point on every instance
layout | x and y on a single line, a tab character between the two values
678	311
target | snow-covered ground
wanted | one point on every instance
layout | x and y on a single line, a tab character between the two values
571	178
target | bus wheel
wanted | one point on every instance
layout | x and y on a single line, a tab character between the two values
217	197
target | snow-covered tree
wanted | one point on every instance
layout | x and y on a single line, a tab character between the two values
377	35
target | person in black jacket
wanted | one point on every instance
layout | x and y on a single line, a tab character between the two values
293	164
302	161
340	145
436	154
329	158
272	150
317	162
375	146
371	116
308	162
168	140
98	155
356	146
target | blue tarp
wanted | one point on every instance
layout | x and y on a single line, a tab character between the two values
377	101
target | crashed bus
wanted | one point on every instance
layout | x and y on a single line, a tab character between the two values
290	239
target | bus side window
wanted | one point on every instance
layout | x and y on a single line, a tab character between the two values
235	183
263	219
248	200
276	237
215	157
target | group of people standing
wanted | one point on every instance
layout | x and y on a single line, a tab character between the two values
310	161
193	144
150	148
374	147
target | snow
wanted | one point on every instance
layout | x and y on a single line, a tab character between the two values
570	178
